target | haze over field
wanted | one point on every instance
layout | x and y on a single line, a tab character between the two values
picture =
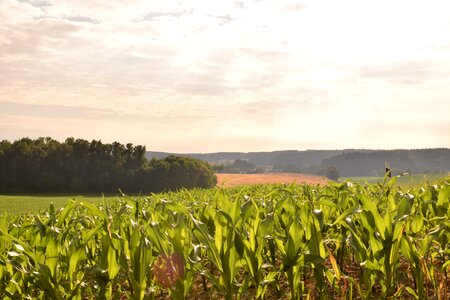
206	76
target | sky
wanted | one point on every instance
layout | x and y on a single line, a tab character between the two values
209	76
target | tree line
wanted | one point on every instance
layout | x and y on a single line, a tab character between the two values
372	163
77	165
238	166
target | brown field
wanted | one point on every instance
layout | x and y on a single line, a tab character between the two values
230	180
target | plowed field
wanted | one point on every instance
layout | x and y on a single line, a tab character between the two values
229	180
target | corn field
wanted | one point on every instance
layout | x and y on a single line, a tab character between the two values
340	241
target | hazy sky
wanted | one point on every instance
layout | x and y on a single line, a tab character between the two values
204	76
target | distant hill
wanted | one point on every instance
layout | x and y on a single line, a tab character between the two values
372	163
349	162
308	157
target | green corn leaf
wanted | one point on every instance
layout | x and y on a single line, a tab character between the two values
406	248
379	222
425	245
94	210
44	280
113	266
345	214
239	244
75	259
392	181
204	237
65	212
412	292
219	233
246	210
404	206
88	236
52	256
265	228
417	223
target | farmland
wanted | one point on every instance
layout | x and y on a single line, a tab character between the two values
15	204
231	180
341	240
406	180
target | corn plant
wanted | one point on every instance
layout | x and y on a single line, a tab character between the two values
343	240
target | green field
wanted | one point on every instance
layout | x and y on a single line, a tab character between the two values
405	180
16	204
340	241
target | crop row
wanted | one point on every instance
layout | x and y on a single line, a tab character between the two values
341	241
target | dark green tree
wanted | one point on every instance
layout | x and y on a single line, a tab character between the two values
332	173
46	165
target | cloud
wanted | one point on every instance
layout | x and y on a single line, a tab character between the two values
197	88
82	19
229	69
52	111
152	16
295	6
401	131
13	12
411	72
34	38
37	3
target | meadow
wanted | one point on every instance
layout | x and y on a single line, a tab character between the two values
275	241
405	180
16	204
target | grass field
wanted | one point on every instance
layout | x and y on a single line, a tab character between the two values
406	180
15	204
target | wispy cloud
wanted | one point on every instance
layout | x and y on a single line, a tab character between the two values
403	73
283	72
37	3
52	111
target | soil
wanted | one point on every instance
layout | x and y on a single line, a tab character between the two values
231	180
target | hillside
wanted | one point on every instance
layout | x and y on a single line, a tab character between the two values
349	162
372	163
292	157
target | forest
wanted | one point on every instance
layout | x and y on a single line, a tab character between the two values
349	162
425	161
77	165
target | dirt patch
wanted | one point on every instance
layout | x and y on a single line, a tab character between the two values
230	180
